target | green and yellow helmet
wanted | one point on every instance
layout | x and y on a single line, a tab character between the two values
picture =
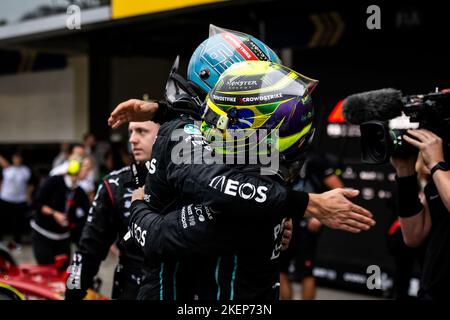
260	95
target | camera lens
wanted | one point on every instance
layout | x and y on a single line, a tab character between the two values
375	141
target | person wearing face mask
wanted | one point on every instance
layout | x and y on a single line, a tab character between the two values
60	211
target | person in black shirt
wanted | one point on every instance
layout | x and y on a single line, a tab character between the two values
61	207
427	222
107	222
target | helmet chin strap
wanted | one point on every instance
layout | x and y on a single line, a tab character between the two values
212	118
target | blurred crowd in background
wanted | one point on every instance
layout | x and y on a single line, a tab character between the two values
22	178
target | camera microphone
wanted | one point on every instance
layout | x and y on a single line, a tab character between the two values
382	105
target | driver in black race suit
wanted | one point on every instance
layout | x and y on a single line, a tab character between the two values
236	255
255	201
193	247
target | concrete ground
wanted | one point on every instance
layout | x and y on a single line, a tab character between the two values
25	255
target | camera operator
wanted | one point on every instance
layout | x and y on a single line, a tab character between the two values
428	221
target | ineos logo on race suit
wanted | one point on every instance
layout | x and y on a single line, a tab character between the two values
139	234
151	166
233	188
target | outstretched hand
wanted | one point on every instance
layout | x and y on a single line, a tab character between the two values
335	210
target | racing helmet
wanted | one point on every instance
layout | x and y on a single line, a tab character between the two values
222	49
260	95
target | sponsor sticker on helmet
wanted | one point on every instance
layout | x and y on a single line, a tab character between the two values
255	49
239	46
